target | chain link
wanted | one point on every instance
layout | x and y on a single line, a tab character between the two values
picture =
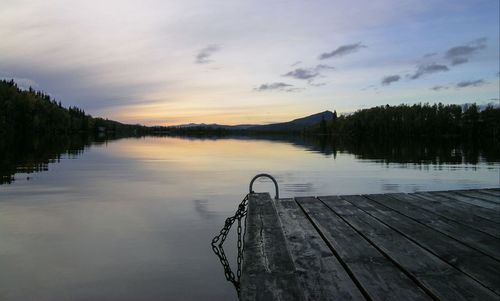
218	242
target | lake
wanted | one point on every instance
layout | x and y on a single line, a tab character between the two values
132	219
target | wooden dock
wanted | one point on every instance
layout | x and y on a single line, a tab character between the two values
419	246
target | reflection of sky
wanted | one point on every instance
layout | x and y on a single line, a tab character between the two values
167	62
225	162
133	219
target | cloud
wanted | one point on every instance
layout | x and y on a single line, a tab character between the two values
301	73
275	86
439	88
471	83
428	55
324	67
387	80
370	87
461	54
318	84
342	50
309	74
296	63
203	56
428	69
458	61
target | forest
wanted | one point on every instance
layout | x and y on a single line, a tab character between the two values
28	112
36	129
467	122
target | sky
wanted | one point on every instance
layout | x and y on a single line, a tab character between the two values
238	62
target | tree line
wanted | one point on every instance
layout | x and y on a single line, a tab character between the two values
415	121
30	112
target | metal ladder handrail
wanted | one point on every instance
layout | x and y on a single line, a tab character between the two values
267	176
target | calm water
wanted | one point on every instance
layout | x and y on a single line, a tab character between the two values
132	219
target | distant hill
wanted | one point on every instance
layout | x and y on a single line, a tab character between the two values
294	125
289	126
215	126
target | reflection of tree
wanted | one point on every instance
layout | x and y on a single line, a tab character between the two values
415	151
34	154
35	130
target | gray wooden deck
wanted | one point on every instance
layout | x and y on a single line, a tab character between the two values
420	246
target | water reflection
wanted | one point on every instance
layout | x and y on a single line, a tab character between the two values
203	209
35	154
445	151
130	219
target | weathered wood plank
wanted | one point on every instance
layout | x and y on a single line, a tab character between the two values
481	196
471	237
482	268
441	279
430	203
268	272
464	207
321	275
465	199
379	278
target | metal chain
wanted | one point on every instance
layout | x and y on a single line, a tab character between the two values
218	241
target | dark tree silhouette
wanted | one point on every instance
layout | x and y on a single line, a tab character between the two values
418	120
30	112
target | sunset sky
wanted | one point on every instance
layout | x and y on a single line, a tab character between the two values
173	62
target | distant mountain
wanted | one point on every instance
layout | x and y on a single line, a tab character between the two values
294	125
215	126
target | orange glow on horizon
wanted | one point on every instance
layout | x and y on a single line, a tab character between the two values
201	154
163	115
